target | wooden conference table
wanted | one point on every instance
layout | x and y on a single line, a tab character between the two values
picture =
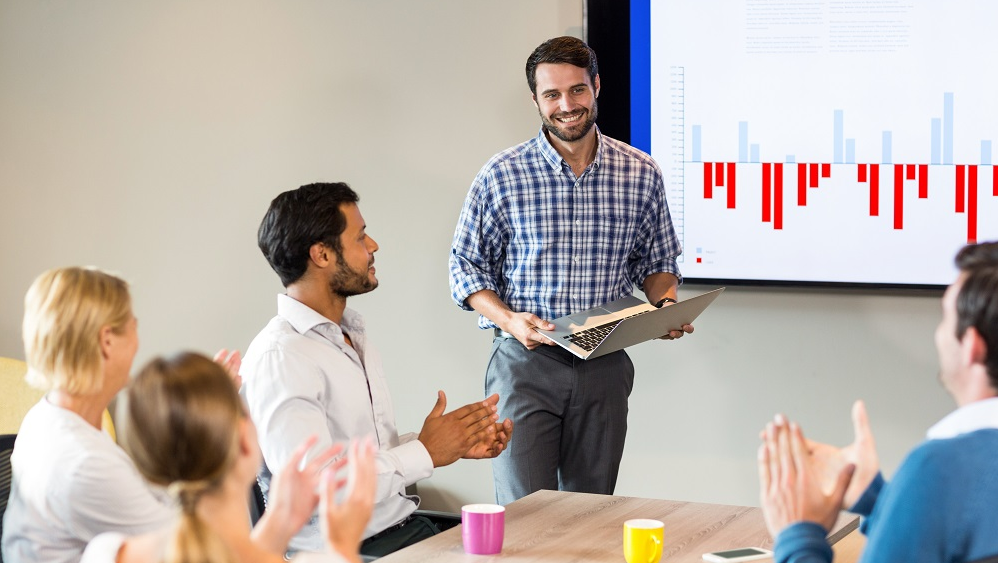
563	527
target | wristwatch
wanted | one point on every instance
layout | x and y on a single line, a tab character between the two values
664	301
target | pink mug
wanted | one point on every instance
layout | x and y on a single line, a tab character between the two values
482	528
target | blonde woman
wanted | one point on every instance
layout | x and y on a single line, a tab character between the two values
188	430
70	480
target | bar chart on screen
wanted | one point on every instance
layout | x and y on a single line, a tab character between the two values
826	141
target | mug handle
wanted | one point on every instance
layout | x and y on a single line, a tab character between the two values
655	553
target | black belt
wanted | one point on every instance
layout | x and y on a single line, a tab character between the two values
389	530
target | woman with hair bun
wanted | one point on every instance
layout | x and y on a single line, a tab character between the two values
188	430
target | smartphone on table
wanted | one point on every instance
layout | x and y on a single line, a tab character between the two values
737	555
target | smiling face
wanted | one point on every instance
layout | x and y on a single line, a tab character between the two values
566	100
356	260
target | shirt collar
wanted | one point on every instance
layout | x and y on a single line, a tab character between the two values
303	318
553	157
975	416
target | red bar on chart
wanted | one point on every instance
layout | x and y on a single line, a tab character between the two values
973	201
731	185
873	190
814	175
897	198
862	173
826	170
994	180
778	195
959	188
911	171
719	173
922	189
765	193
802	184
708	180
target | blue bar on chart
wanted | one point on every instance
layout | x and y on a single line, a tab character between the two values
755	153
886	147
849	149
987	152
744	140
789	159
949	127
838	136
936	140
696	143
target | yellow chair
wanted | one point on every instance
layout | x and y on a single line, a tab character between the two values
18	397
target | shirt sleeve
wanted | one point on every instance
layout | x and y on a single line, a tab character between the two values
106	492
285	396
658	247
802	542
475	249
911	520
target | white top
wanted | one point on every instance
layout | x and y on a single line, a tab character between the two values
105	547
301	378
974	416
70	483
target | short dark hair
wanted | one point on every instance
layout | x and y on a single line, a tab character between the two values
569	50
977	298
298	219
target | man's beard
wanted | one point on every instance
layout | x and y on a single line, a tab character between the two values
347	282
574	133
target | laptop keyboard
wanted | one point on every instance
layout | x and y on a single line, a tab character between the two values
592	337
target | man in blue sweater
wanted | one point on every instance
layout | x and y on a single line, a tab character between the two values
942	504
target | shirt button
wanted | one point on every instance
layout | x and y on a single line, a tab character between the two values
578	222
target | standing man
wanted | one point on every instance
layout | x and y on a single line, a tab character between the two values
313	372
941	506
562	223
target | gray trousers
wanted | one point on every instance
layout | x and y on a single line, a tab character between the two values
570	418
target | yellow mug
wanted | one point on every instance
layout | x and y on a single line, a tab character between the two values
643	540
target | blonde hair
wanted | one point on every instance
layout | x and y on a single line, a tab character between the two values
182	431
64	312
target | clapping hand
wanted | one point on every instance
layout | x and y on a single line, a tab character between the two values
344	523
791	480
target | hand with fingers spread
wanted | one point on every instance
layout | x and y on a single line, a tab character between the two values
791	488
231	361
493	443
451	436
860	453
292	497
522	327
344	522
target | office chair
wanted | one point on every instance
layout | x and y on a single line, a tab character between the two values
6	448
18	396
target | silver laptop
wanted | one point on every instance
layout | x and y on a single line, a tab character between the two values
622	323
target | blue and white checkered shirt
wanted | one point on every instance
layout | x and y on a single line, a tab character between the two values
552	244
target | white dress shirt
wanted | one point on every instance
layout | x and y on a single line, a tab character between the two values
974	416
301	378
70	483
106	547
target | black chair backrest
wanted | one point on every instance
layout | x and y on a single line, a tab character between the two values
6	448
257	505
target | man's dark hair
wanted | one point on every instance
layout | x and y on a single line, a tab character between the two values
298	219
977	299
565	49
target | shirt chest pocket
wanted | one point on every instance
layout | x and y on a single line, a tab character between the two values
616	235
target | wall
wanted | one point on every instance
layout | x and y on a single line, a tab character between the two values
148	138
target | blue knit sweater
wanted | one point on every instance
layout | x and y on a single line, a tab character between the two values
940	507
